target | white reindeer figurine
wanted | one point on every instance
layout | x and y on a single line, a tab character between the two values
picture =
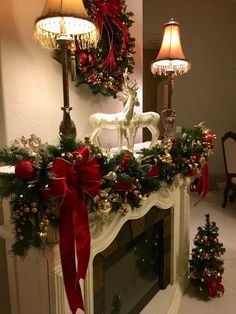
141	120
119	121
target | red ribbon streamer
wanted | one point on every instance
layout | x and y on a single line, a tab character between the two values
107	13
71	181
203	183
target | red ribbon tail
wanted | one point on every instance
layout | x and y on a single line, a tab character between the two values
99	22
82	237
67	251
110	59
123	28
203	183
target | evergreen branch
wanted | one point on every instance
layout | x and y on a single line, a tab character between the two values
11	156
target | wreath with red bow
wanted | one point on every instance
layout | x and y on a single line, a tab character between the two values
102	68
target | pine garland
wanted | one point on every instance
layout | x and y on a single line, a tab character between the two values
127	178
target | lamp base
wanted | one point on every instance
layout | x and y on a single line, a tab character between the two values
168	118
67	126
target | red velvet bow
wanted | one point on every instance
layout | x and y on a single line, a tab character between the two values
214	286
71	181
107	13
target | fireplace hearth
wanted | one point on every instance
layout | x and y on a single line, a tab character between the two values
131	270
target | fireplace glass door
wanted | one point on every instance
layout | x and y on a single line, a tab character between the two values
135	266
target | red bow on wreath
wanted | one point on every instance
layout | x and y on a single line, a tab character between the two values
70	182
107	13
214	285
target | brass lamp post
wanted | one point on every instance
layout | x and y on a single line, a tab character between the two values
170	61
61	23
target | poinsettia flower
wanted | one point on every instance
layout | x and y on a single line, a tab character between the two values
154	171
124	186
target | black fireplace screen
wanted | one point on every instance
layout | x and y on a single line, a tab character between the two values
135	266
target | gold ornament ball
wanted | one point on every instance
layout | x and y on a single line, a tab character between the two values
26	209
78	157
34	210
69	155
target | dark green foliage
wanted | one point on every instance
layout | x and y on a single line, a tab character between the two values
127	178
11	156
116	305
206	263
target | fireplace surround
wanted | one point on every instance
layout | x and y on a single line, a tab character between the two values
45	286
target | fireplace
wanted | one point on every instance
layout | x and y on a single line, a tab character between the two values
47	289
131	270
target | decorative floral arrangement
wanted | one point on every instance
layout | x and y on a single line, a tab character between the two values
58	185
126	177
102	68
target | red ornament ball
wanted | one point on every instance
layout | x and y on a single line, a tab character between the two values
25	170
209	138
83	57
192	172
84	69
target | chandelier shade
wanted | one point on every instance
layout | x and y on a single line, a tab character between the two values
65	17
170	57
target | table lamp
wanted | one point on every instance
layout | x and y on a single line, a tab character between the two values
62	24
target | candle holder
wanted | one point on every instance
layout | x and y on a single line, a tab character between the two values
168	118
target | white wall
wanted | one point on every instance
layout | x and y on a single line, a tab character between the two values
31	87
31	82
208	92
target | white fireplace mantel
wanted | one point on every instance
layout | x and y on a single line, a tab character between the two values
36	284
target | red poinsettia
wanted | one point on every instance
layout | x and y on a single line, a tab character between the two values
124	186
154	171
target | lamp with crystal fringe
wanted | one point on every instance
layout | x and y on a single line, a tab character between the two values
170	61
62	24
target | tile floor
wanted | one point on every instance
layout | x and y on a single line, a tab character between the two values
225	219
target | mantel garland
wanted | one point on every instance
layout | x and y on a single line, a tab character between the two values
126	177
102	67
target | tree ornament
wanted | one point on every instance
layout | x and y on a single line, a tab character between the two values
83	57
25	170
84	69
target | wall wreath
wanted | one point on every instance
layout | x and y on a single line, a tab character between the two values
102	68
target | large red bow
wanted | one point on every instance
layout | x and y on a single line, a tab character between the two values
107	13
70	182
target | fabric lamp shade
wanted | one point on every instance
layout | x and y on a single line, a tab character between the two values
65	17
170	57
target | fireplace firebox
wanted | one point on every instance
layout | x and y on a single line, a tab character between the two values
128	273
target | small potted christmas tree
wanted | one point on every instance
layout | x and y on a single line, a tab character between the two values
206	264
